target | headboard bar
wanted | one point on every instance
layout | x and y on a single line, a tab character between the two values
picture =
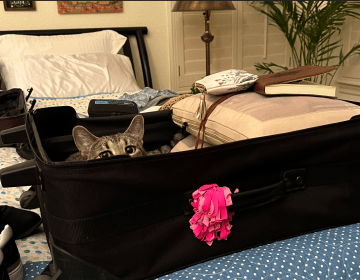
138	32
143	58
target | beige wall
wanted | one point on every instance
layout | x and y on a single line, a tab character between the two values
152	14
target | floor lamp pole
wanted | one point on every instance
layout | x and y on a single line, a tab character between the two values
207	38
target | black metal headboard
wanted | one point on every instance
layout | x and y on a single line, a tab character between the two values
138	32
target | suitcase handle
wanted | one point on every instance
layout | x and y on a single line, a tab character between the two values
255	198
21	174
292	180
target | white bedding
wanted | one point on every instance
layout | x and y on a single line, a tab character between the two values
69	75
104	41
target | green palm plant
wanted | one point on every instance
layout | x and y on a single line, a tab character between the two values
310	28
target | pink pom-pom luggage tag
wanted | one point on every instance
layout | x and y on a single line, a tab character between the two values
211	220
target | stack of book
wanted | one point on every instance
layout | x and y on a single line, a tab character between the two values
292	82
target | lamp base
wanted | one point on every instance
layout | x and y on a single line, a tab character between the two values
207	38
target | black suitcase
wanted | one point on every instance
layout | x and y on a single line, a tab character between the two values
128	218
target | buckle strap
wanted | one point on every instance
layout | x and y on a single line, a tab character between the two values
208	113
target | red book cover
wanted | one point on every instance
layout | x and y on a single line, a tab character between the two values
294	74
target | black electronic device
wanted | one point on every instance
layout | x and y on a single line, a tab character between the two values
111	107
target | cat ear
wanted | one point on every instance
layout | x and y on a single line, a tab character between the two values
83	139
137	126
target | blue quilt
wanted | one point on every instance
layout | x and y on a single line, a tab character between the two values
332	254
329	254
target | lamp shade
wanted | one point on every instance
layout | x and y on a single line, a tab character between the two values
182	6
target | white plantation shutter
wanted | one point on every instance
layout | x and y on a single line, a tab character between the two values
261	42
348	85
189	49
241	38
220	48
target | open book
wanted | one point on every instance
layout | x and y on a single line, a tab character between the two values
283	82
301	87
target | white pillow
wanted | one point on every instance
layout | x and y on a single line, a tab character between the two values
105	41
250	115
69	75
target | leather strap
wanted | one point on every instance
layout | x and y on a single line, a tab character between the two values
208	112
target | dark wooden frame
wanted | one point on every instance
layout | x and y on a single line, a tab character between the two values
8	8
138	32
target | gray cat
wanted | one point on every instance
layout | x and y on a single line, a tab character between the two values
128	143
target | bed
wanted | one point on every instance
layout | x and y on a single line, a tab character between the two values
328	254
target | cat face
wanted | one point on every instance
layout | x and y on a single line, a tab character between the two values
128	143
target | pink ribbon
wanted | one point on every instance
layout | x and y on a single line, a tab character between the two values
211	220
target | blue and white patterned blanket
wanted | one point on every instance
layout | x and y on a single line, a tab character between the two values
145	98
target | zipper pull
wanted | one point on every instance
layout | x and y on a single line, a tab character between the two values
183	128
32	102
30	90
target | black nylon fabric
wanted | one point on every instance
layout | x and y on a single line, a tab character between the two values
54	126
12	103
98	227
125	183
88	189
170	245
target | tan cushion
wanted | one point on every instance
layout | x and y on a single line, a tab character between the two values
249	115
187	144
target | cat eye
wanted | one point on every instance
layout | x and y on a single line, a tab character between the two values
130	149
105	154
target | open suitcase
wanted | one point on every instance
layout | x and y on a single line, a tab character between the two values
128	218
